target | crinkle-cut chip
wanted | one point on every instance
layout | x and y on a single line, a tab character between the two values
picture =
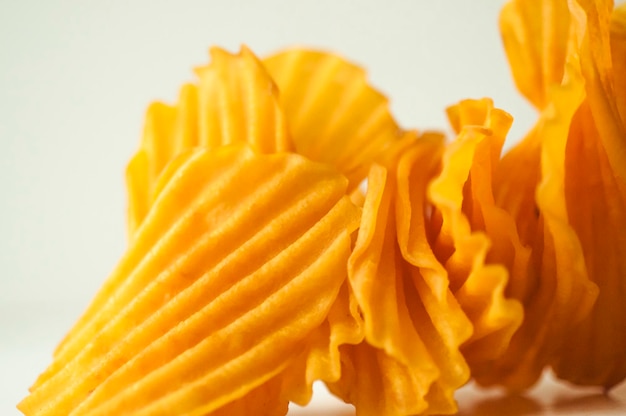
595	196
477	241
239	88
149	239
333	114
558	293
596	204
536	52
410	361
235	101
235	96
320	360
241	257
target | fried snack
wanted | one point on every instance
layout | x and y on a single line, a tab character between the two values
430	268
232	93
241	256
570	198
334	116
252	270
235	101
476	240
595	195
410	362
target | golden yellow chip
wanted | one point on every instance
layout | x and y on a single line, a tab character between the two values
241	257
333	114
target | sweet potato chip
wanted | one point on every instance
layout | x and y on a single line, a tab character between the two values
235	101
333	114
241	257
556	292
410	360
477	241
595	195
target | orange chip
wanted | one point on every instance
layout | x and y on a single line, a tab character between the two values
239	260
333	114
410	361
235	101
476	240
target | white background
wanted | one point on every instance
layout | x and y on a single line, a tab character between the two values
77	76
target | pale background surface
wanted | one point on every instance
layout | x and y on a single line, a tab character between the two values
76	77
